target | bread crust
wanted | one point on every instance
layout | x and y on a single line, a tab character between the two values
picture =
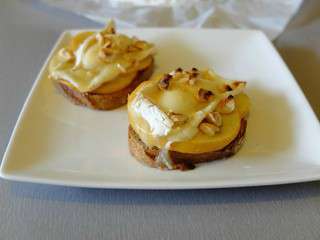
107	101
182	161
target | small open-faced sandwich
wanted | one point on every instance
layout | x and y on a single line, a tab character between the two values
100	69
186	117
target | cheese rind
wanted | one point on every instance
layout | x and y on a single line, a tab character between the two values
160	124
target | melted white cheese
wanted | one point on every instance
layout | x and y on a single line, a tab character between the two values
79	53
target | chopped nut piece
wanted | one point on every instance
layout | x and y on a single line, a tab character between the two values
237	83
204	95
193	78
164	82
228	105
227	87
102	55
179	69
110	28
140	44
66	54
132	48
106	54
194	75
107	43
178	118
100	38
208	128
108	51
214	118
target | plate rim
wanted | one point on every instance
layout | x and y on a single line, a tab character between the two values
162	185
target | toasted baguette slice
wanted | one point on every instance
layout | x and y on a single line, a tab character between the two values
183	161
105	101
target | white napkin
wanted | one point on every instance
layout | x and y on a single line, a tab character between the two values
270	16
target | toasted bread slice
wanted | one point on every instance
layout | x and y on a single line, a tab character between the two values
105	101
183	161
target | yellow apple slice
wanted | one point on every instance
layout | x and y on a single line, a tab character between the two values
205	143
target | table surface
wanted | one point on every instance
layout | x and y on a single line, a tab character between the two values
30	211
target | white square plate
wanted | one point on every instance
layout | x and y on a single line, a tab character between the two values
56	142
